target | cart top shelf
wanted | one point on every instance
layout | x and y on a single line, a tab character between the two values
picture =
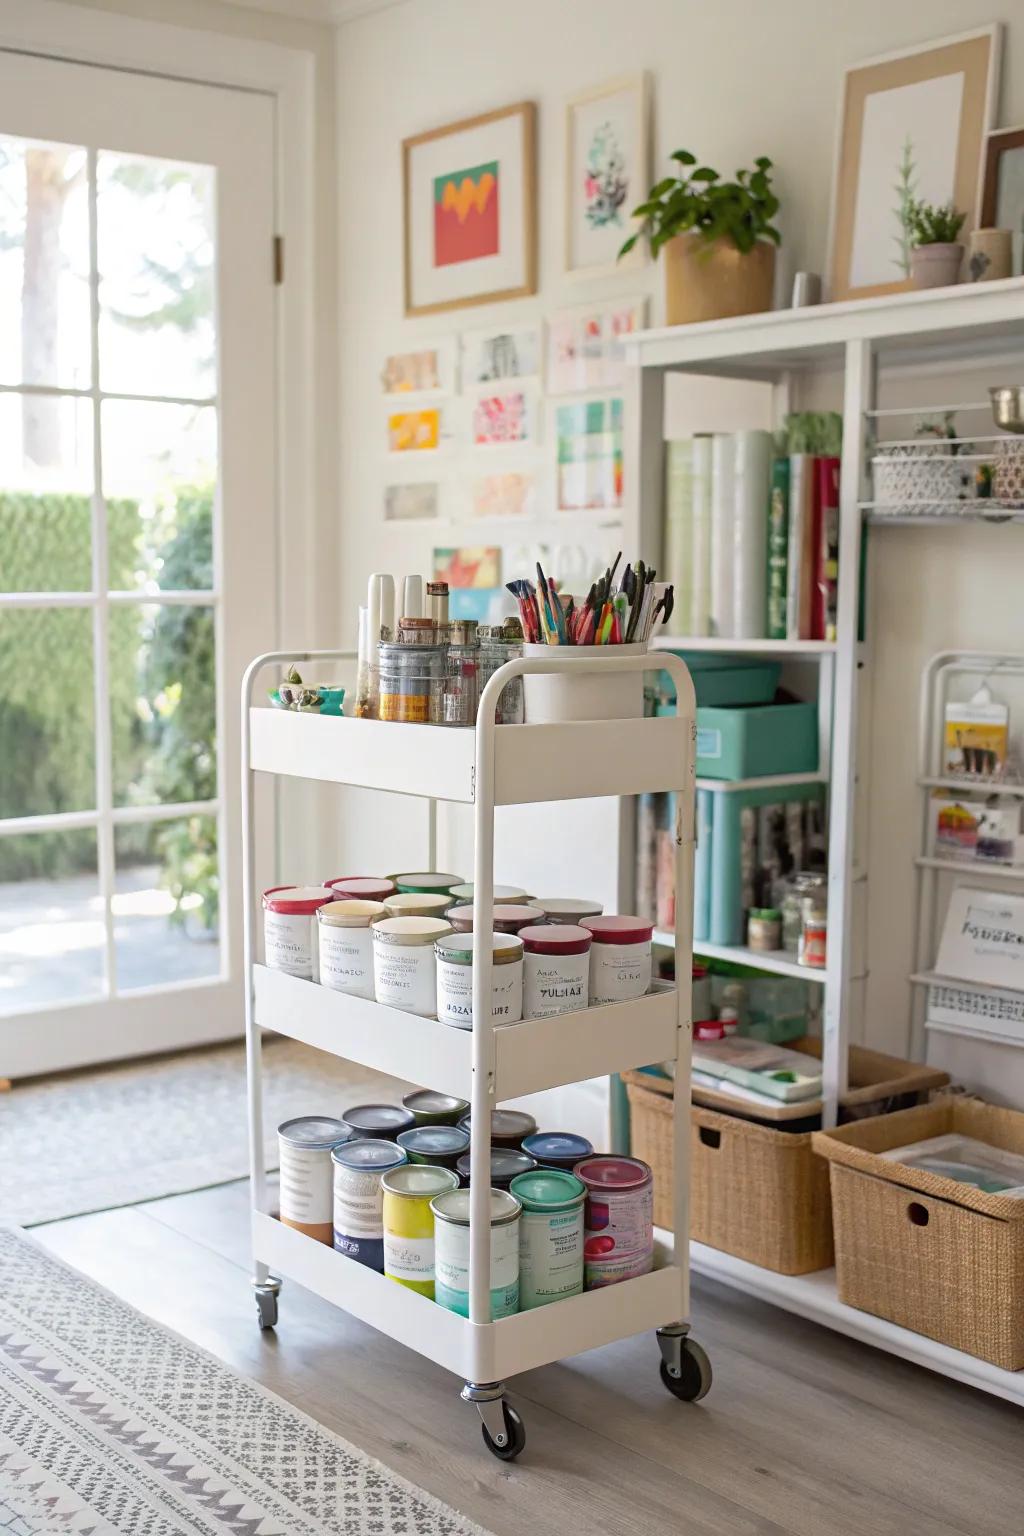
971	319
531	762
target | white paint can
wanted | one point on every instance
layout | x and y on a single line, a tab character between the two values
455	979
307	1175
550	1236
451	1252
346	945
404	967
620	958
556	969
289	929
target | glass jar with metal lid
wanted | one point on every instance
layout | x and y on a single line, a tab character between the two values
500	643
805	882
455	978
462	674
411	687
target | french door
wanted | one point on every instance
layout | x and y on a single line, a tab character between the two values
137	549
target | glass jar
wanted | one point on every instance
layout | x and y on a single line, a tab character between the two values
461	684
806	882
813	933
500	643
411	683
764	929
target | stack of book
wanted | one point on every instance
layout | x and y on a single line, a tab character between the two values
752	532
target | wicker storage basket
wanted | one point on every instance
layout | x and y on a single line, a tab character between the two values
926	1252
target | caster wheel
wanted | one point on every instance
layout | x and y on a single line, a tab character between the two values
266	1308
514	1430
694	1379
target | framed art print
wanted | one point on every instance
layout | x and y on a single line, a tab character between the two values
607	170
912	128
470	211
1002	195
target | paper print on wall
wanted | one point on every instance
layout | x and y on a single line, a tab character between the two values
479	566
606	173
502	496
912	131
414	431
469	211
589	455
504	419
501	354
414	503
487	605
586	345
431	370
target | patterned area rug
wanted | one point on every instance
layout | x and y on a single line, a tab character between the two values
111	1424
96	1140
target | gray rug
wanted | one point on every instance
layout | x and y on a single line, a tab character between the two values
111	1424
95	1140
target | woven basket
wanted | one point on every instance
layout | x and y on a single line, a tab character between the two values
755	1192
926	1252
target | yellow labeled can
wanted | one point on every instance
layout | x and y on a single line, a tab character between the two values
409	1223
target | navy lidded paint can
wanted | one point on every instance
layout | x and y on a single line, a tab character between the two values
359	1198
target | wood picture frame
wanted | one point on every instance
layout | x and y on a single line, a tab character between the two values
945	92
456	251
1001	142
628	100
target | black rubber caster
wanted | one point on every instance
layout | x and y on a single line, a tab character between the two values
266	1308
515	1432
694	1379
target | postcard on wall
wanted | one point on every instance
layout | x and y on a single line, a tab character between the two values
503	418
477	566
586	345
983	938
589	455
415	431
423	371
487	605
504	496
417	502
494	355
607	174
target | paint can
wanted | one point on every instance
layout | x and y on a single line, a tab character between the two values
506	917
290	929
507	1163
404	967
307	1177
618	1218
451	1252
439	1146
508	1127
620	958
409	1223
416	904
360	888
556	969
568	909
426	883
430	1108
550	1236
500	893
454	955
380	1122
359	1199
558	1149
346	945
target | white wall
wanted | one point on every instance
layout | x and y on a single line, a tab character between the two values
730	80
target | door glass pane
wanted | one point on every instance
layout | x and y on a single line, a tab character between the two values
162	701
156	256
44	272
51	920
45	512
46	711
166	906
159	476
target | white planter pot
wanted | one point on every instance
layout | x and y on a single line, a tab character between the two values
936	266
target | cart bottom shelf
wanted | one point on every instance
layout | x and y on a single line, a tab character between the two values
814	1297
475	1351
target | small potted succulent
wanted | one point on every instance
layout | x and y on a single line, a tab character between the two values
936	254
718	238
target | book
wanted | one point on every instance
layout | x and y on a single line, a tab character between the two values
679	530
800	557
702	866
752	478
778	549
825	592
700	548
723	515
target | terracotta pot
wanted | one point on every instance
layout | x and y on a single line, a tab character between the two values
712	280
936	266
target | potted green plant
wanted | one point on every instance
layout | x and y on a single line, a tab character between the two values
936	254
718	238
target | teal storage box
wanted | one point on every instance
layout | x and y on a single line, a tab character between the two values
750	742
721	680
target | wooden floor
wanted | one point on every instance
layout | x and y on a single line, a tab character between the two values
804	1431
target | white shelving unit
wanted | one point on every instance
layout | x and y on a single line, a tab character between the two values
854	340
488	1065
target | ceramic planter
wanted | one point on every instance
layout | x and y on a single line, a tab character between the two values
936	266
712	280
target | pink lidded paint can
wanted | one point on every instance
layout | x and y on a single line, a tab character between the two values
290	940
618	1239
360	888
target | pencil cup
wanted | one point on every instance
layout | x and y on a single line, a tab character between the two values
551	697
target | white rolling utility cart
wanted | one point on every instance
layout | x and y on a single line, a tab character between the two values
488	1065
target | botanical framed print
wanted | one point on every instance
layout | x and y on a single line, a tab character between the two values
1002	193
912	128
607	173
470	227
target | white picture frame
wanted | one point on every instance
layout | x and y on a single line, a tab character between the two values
608	124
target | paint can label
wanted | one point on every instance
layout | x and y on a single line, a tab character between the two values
554	984
455	993
359	1216
346	960
619	972
550	1256
289	943
409	1259
305	1183
451	1268
610	1272
620	1223
405	977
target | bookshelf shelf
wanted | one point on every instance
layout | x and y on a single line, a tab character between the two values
743	647
778	962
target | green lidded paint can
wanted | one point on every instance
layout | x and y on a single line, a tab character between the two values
550	1236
